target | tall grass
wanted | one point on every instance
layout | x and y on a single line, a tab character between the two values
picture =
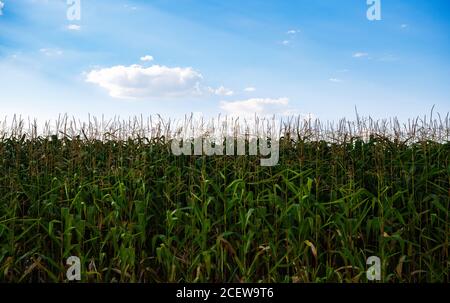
112	193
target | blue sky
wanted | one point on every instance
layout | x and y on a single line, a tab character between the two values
172	57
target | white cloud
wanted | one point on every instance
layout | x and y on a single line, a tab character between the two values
133	8
50	52
388	58
74	27
221	91
360	55
292	35
258	106
292	32
335	80
250	89
147	58
135	81
2	5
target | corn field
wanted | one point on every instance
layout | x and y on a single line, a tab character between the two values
111	193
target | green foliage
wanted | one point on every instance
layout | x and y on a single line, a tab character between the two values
133	212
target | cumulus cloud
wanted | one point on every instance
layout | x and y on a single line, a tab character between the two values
250	89
258	106
135	81
147	58
1	7
360	55
73	27
221	91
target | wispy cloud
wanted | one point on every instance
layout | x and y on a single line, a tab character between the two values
404	26
293	32
360	55
73	27
51	52
292	35
335	80
250	89
388	58
2	5
379	57
130	7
